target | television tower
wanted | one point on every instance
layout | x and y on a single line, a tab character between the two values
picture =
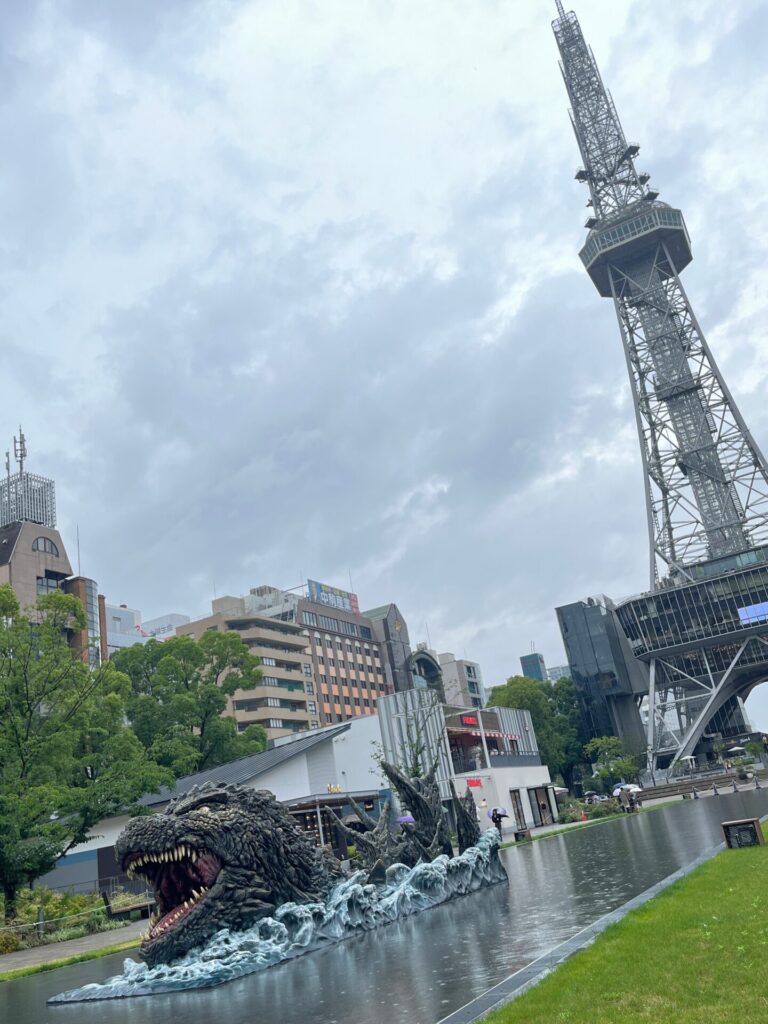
691	649
706	480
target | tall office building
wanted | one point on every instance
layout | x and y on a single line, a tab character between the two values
533	666
698	639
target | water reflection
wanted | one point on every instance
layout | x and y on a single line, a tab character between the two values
421	969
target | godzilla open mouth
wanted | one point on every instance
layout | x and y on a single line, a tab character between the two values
181	878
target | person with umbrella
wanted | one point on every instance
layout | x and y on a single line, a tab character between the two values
497	815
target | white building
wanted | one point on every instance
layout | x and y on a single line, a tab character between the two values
491	751
462	682
124	627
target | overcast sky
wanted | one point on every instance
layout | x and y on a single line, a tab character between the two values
291	289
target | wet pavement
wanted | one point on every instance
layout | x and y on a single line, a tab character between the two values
421	969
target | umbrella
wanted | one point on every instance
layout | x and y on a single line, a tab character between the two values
406	819
635	789
736	750
502	811
617	790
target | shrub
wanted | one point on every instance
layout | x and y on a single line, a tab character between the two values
572	813
603	809
9	942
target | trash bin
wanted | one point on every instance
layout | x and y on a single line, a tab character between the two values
521	834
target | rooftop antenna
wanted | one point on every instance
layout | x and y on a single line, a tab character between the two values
560	9
8	485
78	550
20	449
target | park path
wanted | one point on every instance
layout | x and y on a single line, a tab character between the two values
71	947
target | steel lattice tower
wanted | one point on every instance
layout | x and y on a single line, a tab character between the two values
706	478
692	649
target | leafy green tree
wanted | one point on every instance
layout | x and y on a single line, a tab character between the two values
612	760
555	716
67	760
179	690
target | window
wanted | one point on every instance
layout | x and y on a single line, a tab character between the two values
269	681
328	718
46	545
309	618
318	641
366	702
339	645
342	663
472	687
331	662
307	669
268	661
273	702
311	707
471	672
275	723
350	628
357	701
46	584
349	645
337	702
309	689
365	633
329	623
476	702
367	649
321	661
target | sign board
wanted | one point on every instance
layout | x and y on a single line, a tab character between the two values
743	832
342	600
753	613
469	719
475	783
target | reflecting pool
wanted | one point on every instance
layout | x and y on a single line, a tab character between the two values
419	970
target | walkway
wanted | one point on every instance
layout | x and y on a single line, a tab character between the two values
60	950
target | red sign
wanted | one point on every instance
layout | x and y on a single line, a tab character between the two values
469	719
474	783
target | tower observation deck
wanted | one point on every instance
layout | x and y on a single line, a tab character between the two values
706	480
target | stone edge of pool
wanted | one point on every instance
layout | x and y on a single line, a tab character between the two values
514	985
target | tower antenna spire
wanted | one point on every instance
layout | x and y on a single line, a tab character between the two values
20	449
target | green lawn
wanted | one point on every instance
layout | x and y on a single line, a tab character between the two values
693	955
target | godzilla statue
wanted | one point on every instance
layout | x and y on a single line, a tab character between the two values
224	857
220	857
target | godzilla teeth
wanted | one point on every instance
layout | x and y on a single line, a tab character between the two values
181	852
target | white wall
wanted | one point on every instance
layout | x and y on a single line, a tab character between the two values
496	785
353	750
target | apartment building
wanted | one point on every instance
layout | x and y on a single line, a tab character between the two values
347	660
284	701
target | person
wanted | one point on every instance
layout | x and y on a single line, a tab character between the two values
624	800
544	811
496	817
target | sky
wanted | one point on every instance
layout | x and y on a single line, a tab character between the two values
291	289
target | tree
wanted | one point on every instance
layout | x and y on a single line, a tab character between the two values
67	760
612	760
179	690
555	716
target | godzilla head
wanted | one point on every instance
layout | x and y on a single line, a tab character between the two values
219	857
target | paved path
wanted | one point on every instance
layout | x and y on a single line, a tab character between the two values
58	950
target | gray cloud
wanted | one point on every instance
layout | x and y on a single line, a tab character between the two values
294	289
